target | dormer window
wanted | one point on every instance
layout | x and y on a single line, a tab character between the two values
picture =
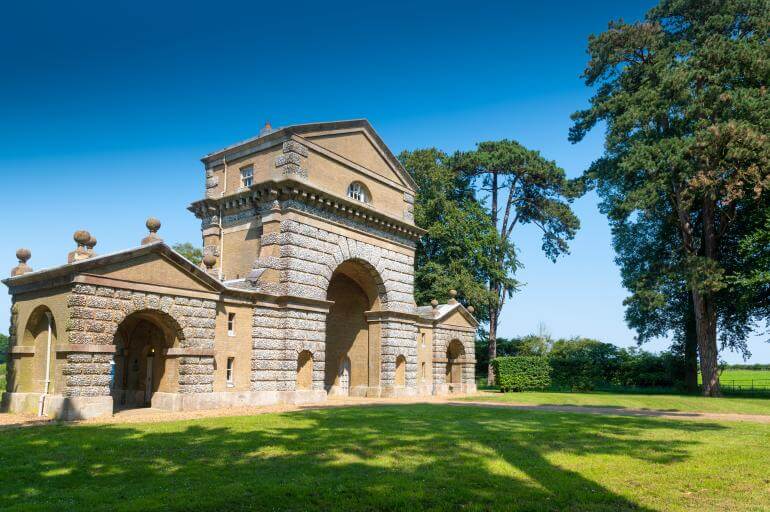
357	191
247	176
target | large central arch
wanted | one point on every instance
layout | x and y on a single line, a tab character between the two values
353	345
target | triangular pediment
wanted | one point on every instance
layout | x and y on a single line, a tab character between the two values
154	269
359	148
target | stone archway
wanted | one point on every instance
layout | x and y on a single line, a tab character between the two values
455	355
142	365
352	345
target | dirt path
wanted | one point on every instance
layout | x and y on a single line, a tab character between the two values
156	415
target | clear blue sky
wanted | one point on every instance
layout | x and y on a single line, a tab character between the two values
106	108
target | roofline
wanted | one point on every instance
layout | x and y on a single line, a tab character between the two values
115	257
299	129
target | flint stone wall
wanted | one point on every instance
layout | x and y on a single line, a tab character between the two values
442	336
94	315
398	338
278	336
309	256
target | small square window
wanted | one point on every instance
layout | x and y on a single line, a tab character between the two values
229	371
231	324
247	176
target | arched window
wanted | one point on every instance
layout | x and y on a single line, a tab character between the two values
358	191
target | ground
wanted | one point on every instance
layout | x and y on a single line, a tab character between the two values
672	402
402	456
390	457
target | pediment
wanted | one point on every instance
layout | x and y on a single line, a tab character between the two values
153	269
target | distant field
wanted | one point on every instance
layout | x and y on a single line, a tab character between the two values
731	374
2	377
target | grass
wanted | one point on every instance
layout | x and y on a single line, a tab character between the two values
666	402
2	377
744	375
406	457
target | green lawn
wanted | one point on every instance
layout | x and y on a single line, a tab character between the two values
405	457
2	377
671	402
744	375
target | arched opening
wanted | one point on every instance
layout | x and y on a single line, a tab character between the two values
455	355
142	366
305	370
400	371
352	348
36	374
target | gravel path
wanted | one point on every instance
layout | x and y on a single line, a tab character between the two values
156	415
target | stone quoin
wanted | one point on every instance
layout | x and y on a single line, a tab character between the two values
306	290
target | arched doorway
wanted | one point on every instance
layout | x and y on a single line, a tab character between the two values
352	348
141	366
455	355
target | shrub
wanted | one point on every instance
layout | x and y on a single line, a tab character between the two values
522	373
584	364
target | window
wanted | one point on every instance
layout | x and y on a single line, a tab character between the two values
422	371
423	340
229	371
357	191
247	176
231	324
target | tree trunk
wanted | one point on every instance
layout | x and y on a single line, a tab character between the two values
494	310
705	326
690	350
492	349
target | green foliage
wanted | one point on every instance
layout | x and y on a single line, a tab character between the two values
522	373
460	248
686	169
584	364
4	340
190	252
529	345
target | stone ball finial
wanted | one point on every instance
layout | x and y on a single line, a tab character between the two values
434	303
23	254
153	224
471	309
22	268
81	237
453	293
91	243
209	260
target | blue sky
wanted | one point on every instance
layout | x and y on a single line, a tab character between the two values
106	107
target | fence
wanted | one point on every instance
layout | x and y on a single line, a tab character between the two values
748	386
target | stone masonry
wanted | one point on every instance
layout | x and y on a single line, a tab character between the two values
96	312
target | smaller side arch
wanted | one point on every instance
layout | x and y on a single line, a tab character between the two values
400	377
304	370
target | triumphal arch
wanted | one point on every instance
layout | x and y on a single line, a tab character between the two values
305	291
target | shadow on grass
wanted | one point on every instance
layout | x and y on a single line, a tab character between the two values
363	458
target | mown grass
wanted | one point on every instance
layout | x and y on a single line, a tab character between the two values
730	374
2	377
666	402
407	457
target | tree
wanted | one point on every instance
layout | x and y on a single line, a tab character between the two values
4	341
651	269
524	188
189	251
683	95
459	251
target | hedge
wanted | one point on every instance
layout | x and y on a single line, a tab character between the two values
522	373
